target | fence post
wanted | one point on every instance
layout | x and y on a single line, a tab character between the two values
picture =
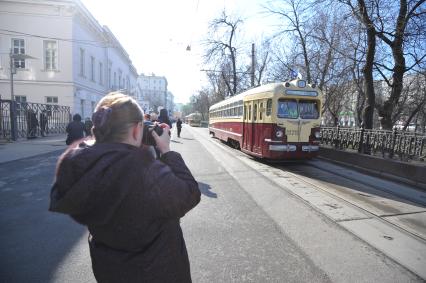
13	122
394	133
336	141
361	139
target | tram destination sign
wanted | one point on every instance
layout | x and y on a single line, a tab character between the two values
301	92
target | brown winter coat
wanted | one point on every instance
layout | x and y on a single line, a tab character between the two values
131	205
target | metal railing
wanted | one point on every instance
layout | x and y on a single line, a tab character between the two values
390	144
26	119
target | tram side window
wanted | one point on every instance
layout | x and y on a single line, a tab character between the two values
245	112
255	112
287	108
249	113
260	111
269	107
240	111
308	109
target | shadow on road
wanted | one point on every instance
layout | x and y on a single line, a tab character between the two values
205	189
33	241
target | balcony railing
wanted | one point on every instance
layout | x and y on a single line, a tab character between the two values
390	144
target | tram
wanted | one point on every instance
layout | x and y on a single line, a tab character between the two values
275	121
194	119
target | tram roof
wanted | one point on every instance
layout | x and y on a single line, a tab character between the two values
267	90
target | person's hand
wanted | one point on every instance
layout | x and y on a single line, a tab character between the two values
163	141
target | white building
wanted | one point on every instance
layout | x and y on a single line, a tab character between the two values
77	61
154	90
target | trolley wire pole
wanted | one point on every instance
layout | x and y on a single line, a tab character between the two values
252	65
13	119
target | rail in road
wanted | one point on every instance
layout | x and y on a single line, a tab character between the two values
389	216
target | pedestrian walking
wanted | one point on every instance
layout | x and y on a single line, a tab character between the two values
75	130
164	117
131	202
88	124
32	124
43	123
179	126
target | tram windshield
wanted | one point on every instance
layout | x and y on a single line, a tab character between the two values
287	108
308	109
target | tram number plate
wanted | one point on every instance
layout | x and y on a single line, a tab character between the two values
292	132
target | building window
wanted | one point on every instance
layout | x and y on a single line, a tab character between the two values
51	99
50	55
92	68
101	79
109	78
18	48
119	79
82	62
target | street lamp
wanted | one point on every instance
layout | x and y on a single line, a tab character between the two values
13	57
13	123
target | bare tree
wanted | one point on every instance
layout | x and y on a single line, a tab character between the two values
362	13
295	18
262	61
414	99
221	47
408	28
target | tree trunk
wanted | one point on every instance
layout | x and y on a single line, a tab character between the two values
399	69
368	68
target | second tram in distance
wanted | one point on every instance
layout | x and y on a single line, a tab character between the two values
275	121
194	119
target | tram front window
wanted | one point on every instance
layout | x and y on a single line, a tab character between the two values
287	109
308	109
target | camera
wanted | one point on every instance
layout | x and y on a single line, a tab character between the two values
147	137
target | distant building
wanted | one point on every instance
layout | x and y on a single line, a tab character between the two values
170	102
153	90
77	61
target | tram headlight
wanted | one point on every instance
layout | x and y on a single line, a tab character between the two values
279	133
317	134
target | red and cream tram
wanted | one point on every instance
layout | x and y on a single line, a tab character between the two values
273	121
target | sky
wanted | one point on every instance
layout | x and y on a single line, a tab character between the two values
156	34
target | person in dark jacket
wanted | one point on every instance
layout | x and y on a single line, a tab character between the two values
88	124
75	129
179	126
32	124
164	117
43	123
130	202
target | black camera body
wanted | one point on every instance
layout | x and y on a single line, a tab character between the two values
147	137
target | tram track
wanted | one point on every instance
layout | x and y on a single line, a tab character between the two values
369	212
384	232
300	166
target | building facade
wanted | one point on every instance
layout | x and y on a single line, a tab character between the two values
74	60
153	91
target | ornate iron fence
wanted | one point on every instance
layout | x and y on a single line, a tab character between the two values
26	119
405	145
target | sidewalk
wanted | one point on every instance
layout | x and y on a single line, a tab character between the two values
10	151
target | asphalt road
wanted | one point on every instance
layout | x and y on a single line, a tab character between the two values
246	228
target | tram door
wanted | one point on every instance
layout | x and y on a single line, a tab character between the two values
248	126
256	131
